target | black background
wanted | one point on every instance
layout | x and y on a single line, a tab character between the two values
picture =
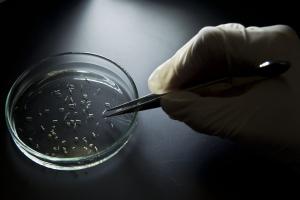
165	159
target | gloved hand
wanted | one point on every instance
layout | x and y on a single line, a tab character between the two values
266	116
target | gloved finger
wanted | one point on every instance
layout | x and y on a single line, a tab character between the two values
216	51
215	116
189	62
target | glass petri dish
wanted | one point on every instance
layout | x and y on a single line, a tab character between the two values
54	110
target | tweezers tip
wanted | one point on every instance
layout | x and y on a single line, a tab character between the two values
105	114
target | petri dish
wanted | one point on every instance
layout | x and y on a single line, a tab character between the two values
54	110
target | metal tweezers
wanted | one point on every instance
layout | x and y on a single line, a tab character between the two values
267	69
147	102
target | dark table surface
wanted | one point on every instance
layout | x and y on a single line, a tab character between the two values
165	159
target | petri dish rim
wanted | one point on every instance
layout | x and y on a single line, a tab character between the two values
114	148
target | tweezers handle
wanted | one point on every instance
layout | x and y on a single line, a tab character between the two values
267	69
154	102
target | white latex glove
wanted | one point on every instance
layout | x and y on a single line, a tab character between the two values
266	117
